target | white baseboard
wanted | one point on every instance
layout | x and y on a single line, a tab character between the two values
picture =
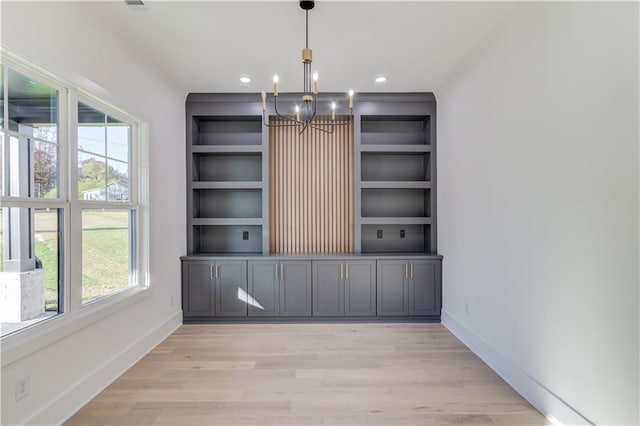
545	401
69	402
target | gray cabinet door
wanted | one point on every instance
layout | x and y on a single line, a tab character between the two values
198	292
295	288
393	289
328	288
264	289
231	288
360	288
424	288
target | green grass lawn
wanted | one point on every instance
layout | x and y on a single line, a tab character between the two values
105	253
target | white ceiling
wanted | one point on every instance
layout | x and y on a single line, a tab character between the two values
205	46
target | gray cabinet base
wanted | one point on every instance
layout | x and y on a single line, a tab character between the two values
329	288
288	320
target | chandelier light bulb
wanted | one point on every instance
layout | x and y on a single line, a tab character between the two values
275	84
297	113
315	76
333	110
276	79
351	98
315	83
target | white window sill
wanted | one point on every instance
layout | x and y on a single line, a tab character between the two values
31	339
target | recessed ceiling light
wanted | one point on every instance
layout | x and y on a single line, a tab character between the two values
245	80
381	79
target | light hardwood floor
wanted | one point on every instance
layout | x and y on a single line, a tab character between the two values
309	374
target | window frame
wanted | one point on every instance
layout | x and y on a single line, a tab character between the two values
72	313
77	206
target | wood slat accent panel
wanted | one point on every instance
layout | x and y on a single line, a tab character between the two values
311	189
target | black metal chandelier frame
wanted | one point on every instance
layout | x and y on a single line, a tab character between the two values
309	96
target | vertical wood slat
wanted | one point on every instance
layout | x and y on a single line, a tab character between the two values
311	189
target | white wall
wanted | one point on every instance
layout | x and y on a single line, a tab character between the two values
538	206
66	373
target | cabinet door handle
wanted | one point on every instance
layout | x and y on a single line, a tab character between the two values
341	272
277	278
346	269
411	277
406	271
211	273
218	271
281	271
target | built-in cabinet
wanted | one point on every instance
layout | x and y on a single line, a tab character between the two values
393	271
212	288
279	288
344	288
217	289
409	287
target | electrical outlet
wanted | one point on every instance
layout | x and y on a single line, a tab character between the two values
22	387
402	233
466	308
379	234
245	235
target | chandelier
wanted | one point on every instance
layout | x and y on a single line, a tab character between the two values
305	112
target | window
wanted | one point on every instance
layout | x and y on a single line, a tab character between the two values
106	197
32	212
69	228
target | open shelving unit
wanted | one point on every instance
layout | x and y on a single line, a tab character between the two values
397	197
226	203
394	181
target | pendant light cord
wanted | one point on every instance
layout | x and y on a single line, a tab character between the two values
307	28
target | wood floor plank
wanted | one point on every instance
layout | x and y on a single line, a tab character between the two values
309	374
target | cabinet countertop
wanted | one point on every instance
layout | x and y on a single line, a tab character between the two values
312	256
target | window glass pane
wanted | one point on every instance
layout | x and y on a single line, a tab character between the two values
92	177
45	177
103	156
2	165
106	246
2	242
33	107
47	249
29	167
117	139
1	96
118	189
16	164
91	130
31	266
